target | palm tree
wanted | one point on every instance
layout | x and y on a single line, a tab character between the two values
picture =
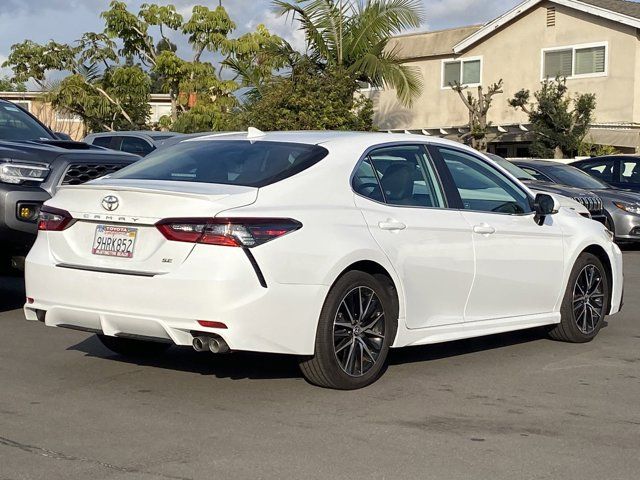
354	34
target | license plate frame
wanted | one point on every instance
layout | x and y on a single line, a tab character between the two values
114	241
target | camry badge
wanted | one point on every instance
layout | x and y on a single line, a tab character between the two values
110	203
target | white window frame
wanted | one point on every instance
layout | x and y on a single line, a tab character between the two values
461	60
573	49
27	102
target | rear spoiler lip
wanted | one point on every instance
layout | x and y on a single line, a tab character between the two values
169	191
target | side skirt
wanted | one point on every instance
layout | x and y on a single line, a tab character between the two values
460	331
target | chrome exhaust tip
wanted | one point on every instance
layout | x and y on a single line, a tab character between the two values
218	345
200	344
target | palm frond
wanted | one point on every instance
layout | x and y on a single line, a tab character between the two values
385	69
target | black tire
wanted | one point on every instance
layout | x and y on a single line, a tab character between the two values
582	323
130	347
363	359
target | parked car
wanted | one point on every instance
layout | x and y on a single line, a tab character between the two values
34	163
332	246
620	171
169	142
140	143
621	207
570	197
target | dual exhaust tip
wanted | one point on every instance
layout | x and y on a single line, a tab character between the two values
203	343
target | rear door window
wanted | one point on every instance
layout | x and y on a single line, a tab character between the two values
229	162
103	141
136	145
406	175
602	169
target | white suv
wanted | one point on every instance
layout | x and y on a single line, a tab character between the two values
330	246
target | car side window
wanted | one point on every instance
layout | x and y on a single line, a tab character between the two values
365	182
102	141
601	169
136	145
400	175
630	171
482	187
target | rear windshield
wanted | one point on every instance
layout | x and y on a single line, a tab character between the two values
17	125
575	177
229	162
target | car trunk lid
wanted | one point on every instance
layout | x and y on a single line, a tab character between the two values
126	211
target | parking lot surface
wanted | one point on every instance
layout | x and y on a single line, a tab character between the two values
514	406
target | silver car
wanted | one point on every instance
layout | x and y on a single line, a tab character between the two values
622	207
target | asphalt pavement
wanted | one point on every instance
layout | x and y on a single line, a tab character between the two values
513	406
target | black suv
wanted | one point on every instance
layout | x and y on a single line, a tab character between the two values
34	163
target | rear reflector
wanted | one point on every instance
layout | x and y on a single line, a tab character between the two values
228	232
54	219
210	324
30	300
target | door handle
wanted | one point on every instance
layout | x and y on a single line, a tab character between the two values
484	229
391	225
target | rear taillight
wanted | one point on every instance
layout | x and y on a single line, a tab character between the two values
54	219
229	232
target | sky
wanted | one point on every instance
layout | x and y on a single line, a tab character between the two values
66	20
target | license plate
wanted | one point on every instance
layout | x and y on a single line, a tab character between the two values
114	241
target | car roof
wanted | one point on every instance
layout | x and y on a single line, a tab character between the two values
541	163
607	157
147	133
328	137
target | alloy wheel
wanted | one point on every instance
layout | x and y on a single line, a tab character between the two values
358	331
588	299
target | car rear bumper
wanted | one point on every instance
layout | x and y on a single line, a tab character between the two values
281	318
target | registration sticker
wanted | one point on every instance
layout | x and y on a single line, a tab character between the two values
114	241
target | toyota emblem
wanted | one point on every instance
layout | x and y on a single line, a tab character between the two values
110	203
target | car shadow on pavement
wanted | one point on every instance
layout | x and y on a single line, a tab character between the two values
248	365
437	351
235	366
11	292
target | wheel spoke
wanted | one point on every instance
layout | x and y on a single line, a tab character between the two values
349	357
366	349
346	307
344	345
348	326
368	327
366	309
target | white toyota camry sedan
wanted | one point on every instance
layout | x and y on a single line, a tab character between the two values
331	246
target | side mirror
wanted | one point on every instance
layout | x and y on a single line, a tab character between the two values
544	205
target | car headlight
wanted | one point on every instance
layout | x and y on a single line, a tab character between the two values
628	207
14	171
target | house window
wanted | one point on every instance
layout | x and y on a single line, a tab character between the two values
24	104
464	72
588	60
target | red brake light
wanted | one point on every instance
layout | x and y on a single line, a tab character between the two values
54	219
229	232
211	324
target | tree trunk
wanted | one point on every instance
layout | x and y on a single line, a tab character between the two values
174	106
557	153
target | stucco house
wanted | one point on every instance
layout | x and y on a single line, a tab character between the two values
37	104
594	43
